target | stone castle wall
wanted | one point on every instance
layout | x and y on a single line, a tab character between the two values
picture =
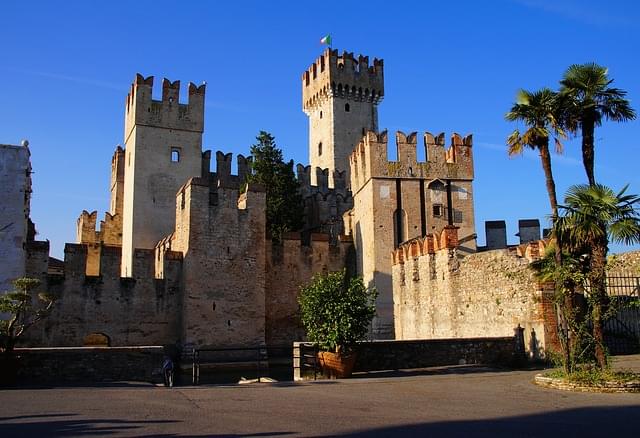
288	267
222	238
439	293
395	201
143	310
625	265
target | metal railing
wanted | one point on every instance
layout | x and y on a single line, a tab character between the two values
237	358
622	329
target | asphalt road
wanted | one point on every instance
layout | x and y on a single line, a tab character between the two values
453	402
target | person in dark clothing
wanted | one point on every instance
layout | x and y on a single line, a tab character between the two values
167	371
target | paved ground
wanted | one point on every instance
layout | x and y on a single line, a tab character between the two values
453	402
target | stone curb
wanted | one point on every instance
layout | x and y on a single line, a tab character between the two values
609	387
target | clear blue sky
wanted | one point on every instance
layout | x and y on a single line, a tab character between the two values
66	68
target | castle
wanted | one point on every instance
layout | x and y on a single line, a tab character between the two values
182	256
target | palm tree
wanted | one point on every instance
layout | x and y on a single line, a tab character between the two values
539	111
593	216
588	100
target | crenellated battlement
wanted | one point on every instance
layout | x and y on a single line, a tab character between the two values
429	244
324	206
86	227
142	109
223	176
304	174
343	76
369	158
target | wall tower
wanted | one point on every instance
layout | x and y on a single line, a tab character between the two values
340	94
163	149
397	201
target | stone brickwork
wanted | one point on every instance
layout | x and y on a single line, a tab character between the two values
395	201
606	387
625	265
15	194
222	239
110	232
90	364
163	149
131	311
289	266
422	353
324	207
340	94
439	293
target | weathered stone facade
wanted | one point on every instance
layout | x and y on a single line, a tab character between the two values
340	94
182	255
15	194
395	201
163	149
441	293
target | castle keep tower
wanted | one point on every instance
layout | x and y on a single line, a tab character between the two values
340	94
163	149
396	201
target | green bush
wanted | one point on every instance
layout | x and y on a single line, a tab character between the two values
336	311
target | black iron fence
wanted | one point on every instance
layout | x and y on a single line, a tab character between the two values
229	365
622	329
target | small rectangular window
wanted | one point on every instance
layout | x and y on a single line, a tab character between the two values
457	216
438	210
175	155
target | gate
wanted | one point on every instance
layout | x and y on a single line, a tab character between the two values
622	330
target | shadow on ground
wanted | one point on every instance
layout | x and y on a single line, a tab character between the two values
582	422
454	369
65	425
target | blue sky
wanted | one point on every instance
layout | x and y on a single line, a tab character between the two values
65	69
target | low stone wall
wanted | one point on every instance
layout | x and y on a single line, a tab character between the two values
424	353
90	364
610	387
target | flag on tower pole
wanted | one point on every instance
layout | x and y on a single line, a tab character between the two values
326	40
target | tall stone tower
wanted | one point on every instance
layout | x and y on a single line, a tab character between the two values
396	201
163	149
340	94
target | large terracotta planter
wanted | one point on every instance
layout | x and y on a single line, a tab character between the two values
337	365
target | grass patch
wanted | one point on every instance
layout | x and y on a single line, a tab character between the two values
593	377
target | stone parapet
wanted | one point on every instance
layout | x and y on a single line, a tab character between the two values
90	364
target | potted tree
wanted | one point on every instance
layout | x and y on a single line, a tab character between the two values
336	312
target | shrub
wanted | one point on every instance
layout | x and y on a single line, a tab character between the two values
336	311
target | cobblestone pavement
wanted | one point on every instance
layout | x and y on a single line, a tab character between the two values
467	401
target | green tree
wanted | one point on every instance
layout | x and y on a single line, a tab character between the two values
540	111
22	313
336	311
593	216
285	210
588	99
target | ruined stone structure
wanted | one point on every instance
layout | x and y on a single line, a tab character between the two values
15	195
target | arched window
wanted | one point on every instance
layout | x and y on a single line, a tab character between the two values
347	108
175	155
319	148
399	227
320	114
